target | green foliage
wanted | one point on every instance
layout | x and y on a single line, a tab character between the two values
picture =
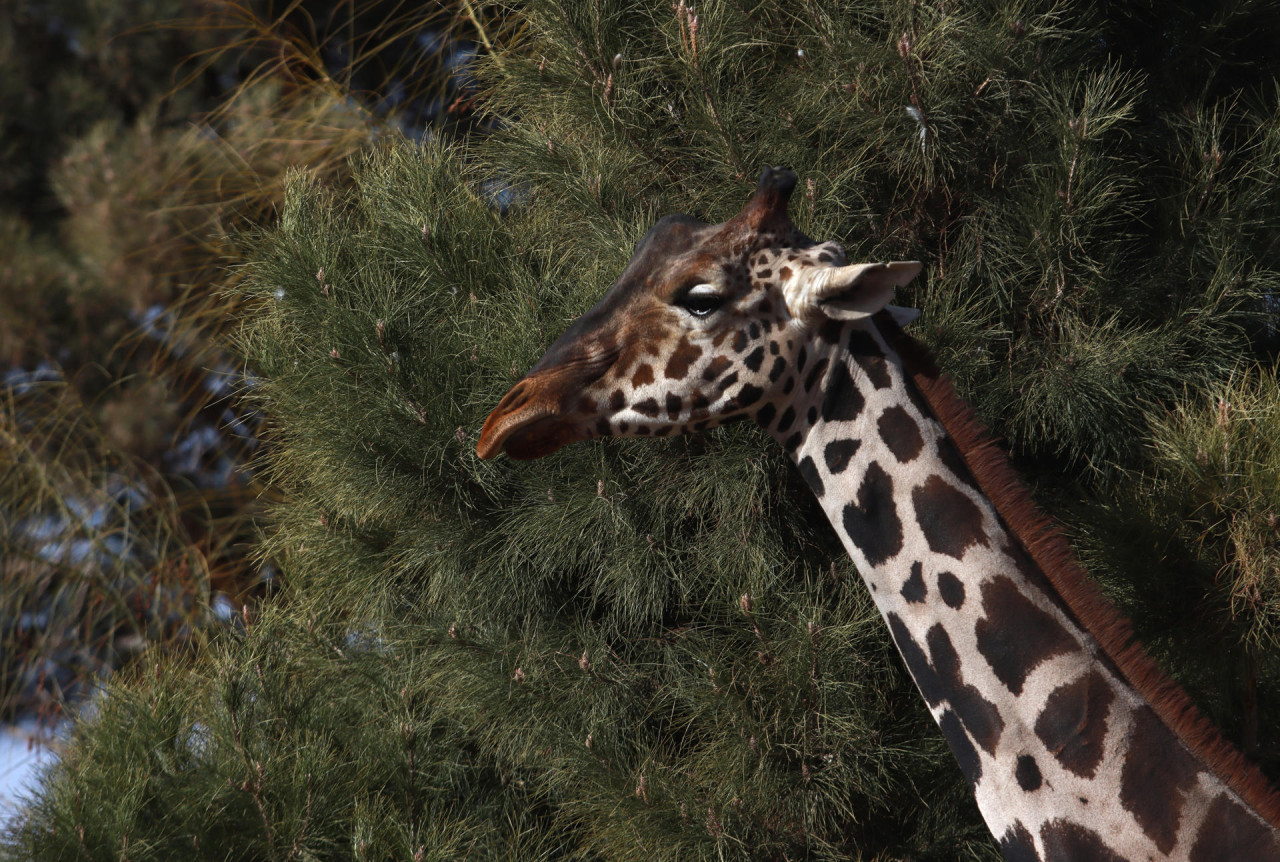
115	208
657	649
294	755
1222	455
1084	258
1206	511
610	644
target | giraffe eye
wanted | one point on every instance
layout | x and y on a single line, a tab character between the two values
700	300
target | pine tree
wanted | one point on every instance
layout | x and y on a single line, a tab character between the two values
657	649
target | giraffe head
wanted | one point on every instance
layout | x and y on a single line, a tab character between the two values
706	324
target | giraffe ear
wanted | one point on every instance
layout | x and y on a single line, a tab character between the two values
861	289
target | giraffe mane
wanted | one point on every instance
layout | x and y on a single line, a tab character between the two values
1049	550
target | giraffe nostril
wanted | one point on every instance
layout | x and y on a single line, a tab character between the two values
515	399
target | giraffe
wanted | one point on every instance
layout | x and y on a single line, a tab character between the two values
1073	742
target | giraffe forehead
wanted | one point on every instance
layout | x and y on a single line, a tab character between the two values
729	259
742	255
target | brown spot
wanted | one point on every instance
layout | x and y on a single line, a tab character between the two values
643	375
838	453
755	359
900	433
831	330
842	401
1015	635
979	715
917	663
727	382
950	521
788	417
809	471
765	415
815	373
871	521
917	399
717	366
740	341
867	353
938	678
779	366
961	746
1017	845
616	400
648	407
784	273
951	590
877	370
1230	831
685	355
674	405
1073	724
1027	773
1065	840
954	461
913	589
747	395
1157	772
1034	575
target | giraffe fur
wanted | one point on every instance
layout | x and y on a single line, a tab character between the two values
1075	745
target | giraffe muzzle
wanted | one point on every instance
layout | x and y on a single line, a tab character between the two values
529	422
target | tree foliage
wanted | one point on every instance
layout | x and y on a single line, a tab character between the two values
136	138
657	649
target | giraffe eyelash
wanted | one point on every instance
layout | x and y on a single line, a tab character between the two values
701	299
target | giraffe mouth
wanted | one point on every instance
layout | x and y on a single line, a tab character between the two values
526	435
527	425
537	416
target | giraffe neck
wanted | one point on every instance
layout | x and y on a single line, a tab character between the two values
1066	757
